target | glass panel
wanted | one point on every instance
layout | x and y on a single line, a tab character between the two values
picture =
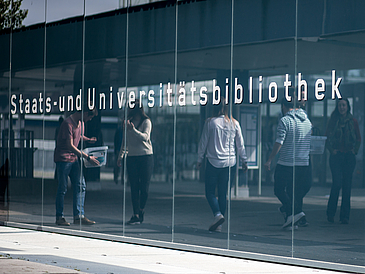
23	127
329	54
104	82
263	61
203	70
63	83
150	78
5	94
107	60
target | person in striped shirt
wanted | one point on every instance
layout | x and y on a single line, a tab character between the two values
292	171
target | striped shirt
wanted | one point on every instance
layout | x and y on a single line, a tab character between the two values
294	134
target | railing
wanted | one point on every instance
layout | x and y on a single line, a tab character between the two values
18	147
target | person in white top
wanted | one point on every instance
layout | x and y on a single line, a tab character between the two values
219	137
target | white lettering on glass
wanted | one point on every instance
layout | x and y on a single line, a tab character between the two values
62	103
319	89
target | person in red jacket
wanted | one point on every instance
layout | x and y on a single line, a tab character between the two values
66	157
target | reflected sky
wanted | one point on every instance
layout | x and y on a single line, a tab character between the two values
58	10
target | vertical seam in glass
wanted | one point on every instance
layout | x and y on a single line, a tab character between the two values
44	96
230	132
125	117
10	82
82	104
259	159
294	147
175	120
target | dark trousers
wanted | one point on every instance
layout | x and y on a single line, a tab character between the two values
342	167
216	178
283	186
4	184
139	170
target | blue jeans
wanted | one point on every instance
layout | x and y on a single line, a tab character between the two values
342	167
216	177
72	170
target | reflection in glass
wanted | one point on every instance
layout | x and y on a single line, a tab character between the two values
149	78
343	143
139	153
203	69
220	135
71	59
293	139
343	73
19	125
61	198
68	165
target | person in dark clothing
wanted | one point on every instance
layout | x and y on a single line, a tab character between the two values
140	160
118	139
4	191
343	142
60	121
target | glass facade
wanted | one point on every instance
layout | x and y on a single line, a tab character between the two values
176	59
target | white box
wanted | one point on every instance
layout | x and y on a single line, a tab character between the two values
317	144
99	153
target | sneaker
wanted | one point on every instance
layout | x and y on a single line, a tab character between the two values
330	219
134	220
218	229
291	227
62	221
296	218
218	220
84	221
302	222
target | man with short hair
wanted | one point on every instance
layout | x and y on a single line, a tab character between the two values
66	157
293	138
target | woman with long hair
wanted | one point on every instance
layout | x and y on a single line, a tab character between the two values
218	139
140	162
343	143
